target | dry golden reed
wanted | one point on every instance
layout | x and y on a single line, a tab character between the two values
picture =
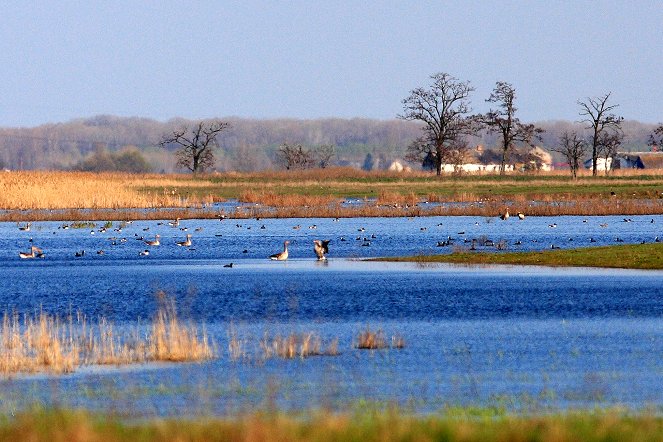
46	343
296	345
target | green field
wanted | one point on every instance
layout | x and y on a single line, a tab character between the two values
630	256
382	426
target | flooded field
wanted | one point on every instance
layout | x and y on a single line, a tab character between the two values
514	337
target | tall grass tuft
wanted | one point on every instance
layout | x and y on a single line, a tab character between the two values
46	343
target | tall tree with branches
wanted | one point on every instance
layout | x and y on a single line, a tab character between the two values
444	110
573	148
504	122
600	119
656	138
196	145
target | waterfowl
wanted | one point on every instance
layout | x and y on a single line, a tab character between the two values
175	223
505	215
521	215
79	254
320	248
228	265
26	227
282	256
554	247
186	242
144	253
156	241
34	253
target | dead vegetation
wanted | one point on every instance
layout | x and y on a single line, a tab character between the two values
48	343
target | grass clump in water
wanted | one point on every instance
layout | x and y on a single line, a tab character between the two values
47	343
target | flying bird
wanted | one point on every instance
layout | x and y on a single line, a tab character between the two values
321	248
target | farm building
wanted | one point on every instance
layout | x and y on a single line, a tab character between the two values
639	160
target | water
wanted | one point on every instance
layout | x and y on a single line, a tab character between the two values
522	338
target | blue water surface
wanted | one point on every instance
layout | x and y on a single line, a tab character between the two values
523	338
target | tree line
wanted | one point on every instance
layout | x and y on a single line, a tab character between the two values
109	142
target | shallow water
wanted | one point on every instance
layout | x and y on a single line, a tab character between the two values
523	338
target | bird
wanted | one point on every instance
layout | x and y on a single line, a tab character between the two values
505	215
282	256
320	247
186	242
26	227
175	223
79	254
521	215
35	252
553	225
144	253
156	241
230	266
554	247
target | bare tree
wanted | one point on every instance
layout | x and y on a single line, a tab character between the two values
599	117
444	109
656	138
295	156
324	154
504	122
609	144
196	146
573	149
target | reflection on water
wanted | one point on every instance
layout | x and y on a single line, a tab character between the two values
514	337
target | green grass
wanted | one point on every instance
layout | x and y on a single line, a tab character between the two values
386	426
632	256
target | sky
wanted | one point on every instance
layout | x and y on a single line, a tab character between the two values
315	59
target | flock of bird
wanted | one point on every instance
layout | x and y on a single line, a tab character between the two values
320	247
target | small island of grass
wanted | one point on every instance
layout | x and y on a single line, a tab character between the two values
630	256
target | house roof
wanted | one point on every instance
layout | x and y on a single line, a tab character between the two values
650	160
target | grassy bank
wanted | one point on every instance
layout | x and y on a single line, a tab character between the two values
320	192
380	426
631	256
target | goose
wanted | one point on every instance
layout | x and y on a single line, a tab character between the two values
186	242
521	215
282	256
320	248
156	241
505	215
26	227
175	223
34	253
230	266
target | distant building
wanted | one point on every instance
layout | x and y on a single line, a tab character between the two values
601	164
639	160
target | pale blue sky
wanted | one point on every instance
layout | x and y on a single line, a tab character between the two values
310	59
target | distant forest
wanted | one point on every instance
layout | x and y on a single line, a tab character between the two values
248	145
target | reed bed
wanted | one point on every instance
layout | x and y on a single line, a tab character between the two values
30	196
296	345
376	340
48	343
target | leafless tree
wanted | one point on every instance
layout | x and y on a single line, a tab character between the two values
573	148
656	138
444	110
504	122
196	145
609	144
599	118
294	156
324	154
